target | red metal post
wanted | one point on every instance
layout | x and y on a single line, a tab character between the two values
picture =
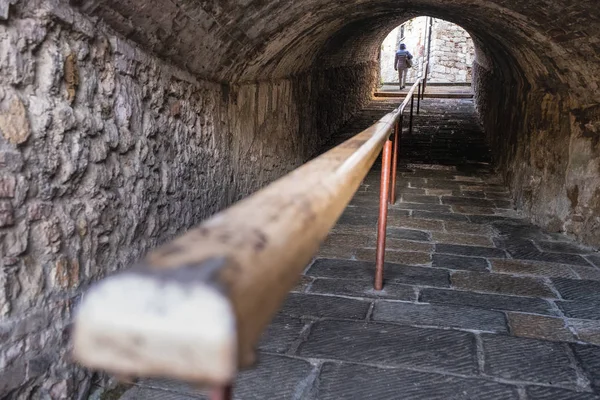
395	159
412	105
419	98
425	80
383	210
222	393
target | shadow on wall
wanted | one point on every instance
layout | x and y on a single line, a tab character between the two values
450	56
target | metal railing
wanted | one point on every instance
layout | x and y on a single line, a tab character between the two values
195	308
390	161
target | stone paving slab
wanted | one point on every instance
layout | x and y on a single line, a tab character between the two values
525	249
393	273
550	393
472	251
452	316
145	393
408	234
539	327
594	259
521	267
573	289
305	305
460	263
357	288
582	309
586	330
281	334
589	360
276	378
358	382
487	301
392	345
528	360
501	284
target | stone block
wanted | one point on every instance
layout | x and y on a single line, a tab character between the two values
580	309
460	263
497	196
457	238
501	284
439	192
467	228
417	223
148	393
524	249
8	184
473	251
586	273
528	360
467	201
588	358
311	305
273	377
451	316
39	365
562	247
337	252
587	331
393	256
350	381
521	267
409	246
411	198
357	288
6	213
350	240
11	161
594	259
276	377
13	376
422	207
393	273
574	289
14	122
550	393
392	345
515	228
539	327
281	333
474	210
488	301
468	193
438	216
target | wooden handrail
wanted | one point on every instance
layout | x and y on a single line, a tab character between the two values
195	308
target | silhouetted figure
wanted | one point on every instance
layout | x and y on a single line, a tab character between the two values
401	64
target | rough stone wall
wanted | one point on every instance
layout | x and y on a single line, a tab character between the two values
452	53
107	151
547	144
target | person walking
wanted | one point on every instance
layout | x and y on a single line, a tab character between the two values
402	63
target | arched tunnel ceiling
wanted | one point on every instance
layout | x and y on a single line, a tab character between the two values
247	40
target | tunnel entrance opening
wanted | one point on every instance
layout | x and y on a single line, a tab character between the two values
450	51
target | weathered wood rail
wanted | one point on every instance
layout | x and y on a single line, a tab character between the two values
195	308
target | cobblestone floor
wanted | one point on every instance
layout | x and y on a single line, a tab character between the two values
477	302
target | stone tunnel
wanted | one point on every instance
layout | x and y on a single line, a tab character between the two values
125	123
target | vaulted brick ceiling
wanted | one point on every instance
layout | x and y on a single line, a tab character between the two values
245	40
